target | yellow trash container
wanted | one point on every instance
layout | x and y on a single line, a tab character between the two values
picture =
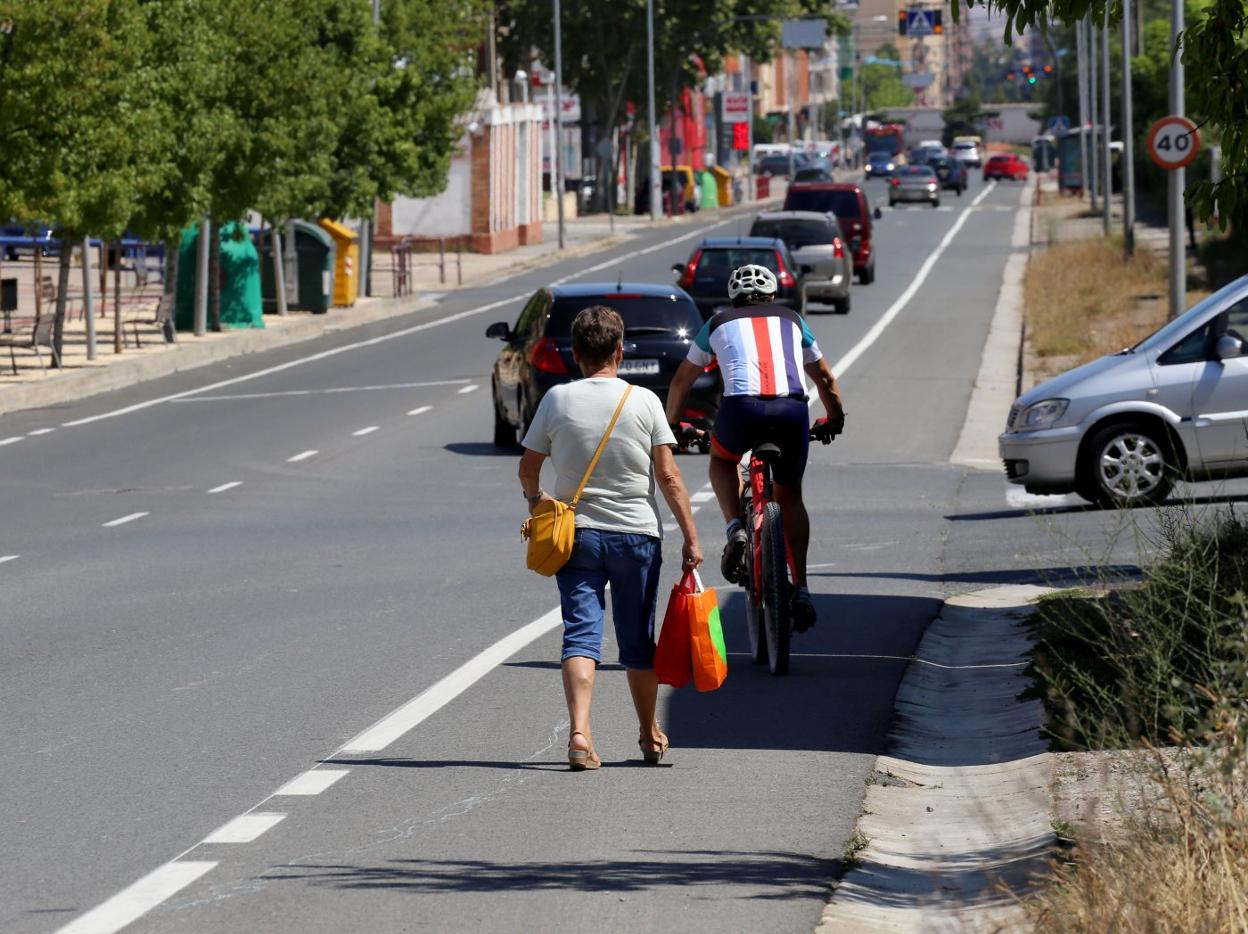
346	262
723	182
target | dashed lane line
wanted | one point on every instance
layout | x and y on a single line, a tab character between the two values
365	431
301	457
12	440
334	390
40	431
124	519
467	389
421	410
246	827
226	486
311	782
6	558
134	901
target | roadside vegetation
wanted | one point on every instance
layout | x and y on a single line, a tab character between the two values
1154	674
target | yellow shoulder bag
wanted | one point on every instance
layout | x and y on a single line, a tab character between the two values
551	530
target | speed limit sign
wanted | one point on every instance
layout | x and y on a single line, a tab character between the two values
1173	142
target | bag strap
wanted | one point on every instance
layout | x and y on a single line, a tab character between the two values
601	444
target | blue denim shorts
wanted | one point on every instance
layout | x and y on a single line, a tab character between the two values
630	564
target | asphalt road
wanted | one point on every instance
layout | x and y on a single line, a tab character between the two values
260	606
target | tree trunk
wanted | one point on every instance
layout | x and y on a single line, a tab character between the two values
214	281
62	287
169	287
117	336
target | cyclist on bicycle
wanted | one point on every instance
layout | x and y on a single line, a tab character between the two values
763	349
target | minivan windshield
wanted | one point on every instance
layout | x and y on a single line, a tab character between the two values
796	233
840	203
1166	335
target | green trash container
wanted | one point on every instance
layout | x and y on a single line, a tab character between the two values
710	189
240	279
315	256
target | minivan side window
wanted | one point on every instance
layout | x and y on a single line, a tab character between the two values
1191	349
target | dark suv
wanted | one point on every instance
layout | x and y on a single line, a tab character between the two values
705	276
660	322
849	203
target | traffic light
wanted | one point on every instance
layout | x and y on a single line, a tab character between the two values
903	22
1009	76
937	23
1031	79
1048	69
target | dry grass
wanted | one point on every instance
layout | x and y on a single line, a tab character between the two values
1082	301
1182	867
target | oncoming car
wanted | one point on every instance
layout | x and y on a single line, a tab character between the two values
1121	430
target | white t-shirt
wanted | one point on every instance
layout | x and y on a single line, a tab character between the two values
568	426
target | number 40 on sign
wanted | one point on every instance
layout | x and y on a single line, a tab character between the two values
1173	142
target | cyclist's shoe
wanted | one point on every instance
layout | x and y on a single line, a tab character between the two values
732	564
802	609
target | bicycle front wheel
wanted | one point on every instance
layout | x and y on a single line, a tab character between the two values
775	574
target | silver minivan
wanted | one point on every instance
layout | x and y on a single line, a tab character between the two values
819	248
1121	430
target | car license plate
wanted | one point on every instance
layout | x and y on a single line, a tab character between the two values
639	368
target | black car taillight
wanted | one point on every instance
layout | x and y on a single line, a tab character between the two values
686	280
546	357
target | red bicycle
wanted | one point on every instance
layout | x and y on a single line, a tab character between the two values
769	573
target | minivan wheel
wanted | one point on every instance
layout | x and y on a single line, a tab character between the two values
1127	465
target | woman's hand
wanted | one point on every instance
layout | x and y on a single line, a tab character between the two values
544	496
692	554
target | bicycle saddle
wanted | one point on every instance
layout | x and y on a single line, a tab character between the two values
767	452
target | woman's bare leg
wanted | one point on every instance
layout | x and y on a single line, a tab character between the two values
578	689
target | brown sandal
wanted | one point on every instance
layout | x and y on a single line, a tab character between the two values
582	760
651	755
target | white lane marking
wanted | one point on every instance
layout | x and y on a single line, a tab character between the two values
40	431
311	782
13	440
6	558
301	457
702	496
245	827
365	431
467	389
136	900
124	519
1018	498
393	725
421	410
324	392
382	338
843	364
670	527
226	486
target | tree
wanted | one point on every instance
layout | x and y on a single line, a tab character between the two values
882	87
1215	58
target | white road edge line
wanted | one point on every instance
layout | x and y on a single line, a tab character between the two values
6	558
137	899
124	519
40	431
301	457
225	486
381	338
311	782
467	389
393	725
13	440
246	827
336	390
365	431
421	410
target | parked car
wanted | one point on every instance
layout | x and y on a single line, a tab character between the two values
880	164
967	152
815	242
659	323
914	183
849	203
705	276
777	164
1121	430
1005	165
951	173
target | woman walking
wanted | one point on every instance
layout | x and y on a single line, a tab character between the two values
618	530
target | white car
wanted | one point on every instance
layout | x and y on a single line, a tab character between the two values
968	153
1121	430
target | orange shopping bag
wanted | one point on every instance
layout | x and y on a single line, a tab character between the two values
710	657
673	658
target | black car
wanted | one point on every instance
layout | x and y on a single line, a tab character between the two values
660	321
950	171
778	163
705	276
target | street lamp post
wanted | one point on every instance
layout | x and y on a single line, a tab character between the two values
1128	141
656	182
1104	158
1178	177
558	166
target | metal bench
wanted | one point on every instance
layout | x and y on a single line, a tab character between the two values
40	336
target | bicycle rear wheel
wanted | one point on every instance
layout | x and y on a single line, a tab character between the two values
778	622
754	622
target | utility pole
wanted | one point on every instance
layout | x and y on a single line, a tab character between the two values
790	66
1081	79
559	120
1178	177
88	292
1095	189
656	182
1106	207
1128	141
749	129
201	279
366	225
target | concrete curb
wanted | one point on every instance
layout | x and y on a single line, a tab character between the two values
997	383
957	818
190	354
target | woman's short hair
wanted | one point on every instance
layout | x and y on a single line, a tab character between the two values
596	333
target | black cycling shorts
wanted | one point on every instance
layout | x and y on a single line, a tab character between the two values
744	422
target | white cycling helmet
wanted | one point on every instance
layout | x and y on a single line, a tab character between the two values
751	280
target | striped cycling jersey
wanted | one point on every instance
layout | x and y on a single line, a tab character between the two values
761	350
